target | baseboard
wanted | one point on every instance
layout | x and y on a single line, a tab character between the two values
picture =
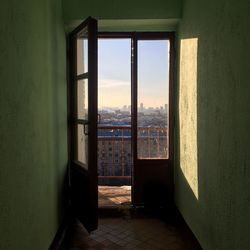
60	234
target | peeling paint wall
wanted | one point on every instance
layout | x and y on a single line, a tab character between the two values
212	176
33	128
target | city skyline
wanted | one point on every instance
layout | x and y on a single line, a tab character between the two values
139	107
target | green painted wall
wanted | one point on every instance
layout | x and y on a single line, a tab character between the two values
119	9
118	15
33	130
213	130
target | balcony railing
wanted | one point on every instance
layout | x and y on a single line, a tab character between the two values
115	154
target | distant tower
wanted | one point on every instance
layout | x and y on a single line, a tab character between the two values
141	107
166	108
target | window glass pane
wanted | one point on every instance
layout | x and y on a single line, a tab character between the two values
153	99
82	145
82	99
82	53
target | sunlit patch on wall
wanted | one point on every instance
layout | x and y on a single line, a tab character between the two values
188	112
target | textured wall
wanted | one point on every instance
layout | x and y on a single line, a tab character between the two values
119	15
120	9
188	115
212	139
33	150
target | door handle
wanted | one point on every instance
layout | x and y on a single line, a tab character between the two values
99	118
86	132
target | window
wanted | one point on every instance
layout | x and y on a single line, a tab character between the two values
153	99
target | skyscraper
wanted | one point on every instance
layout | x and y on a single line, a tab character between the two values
141	109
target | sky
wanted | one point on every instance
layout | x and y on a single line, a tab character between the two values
114	73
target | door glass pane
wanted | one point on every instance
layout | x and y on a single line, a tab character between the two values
153	99
82	145
82	99
82	52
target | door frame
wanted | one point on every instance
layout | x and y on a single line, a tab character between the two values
166	166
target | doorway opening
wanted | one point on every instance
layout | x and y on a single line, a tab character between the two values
135	120
114	122
129	144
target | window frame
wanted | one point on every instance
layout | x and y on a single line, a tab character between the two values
135	37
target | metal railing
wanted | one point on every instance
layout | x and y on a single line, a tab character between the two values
114	150
152	143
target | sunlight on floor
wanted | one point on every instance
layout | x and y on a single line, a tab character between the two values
114	195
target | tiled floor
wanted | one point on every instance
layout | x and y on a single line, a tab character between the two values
109	196
133	231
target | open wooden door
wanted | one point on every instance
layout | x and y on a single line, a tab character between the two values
83	123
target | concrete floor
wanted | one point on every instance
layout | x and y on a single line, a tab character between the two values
113	196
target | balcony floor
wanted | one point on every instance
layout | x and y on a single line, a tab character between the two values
114	196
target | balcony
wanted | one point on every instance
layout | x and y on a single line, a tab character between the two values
115	152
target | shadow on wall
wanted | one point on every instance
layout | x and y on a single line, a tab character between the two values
58	114
197	184
187	192
212	180
192	173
